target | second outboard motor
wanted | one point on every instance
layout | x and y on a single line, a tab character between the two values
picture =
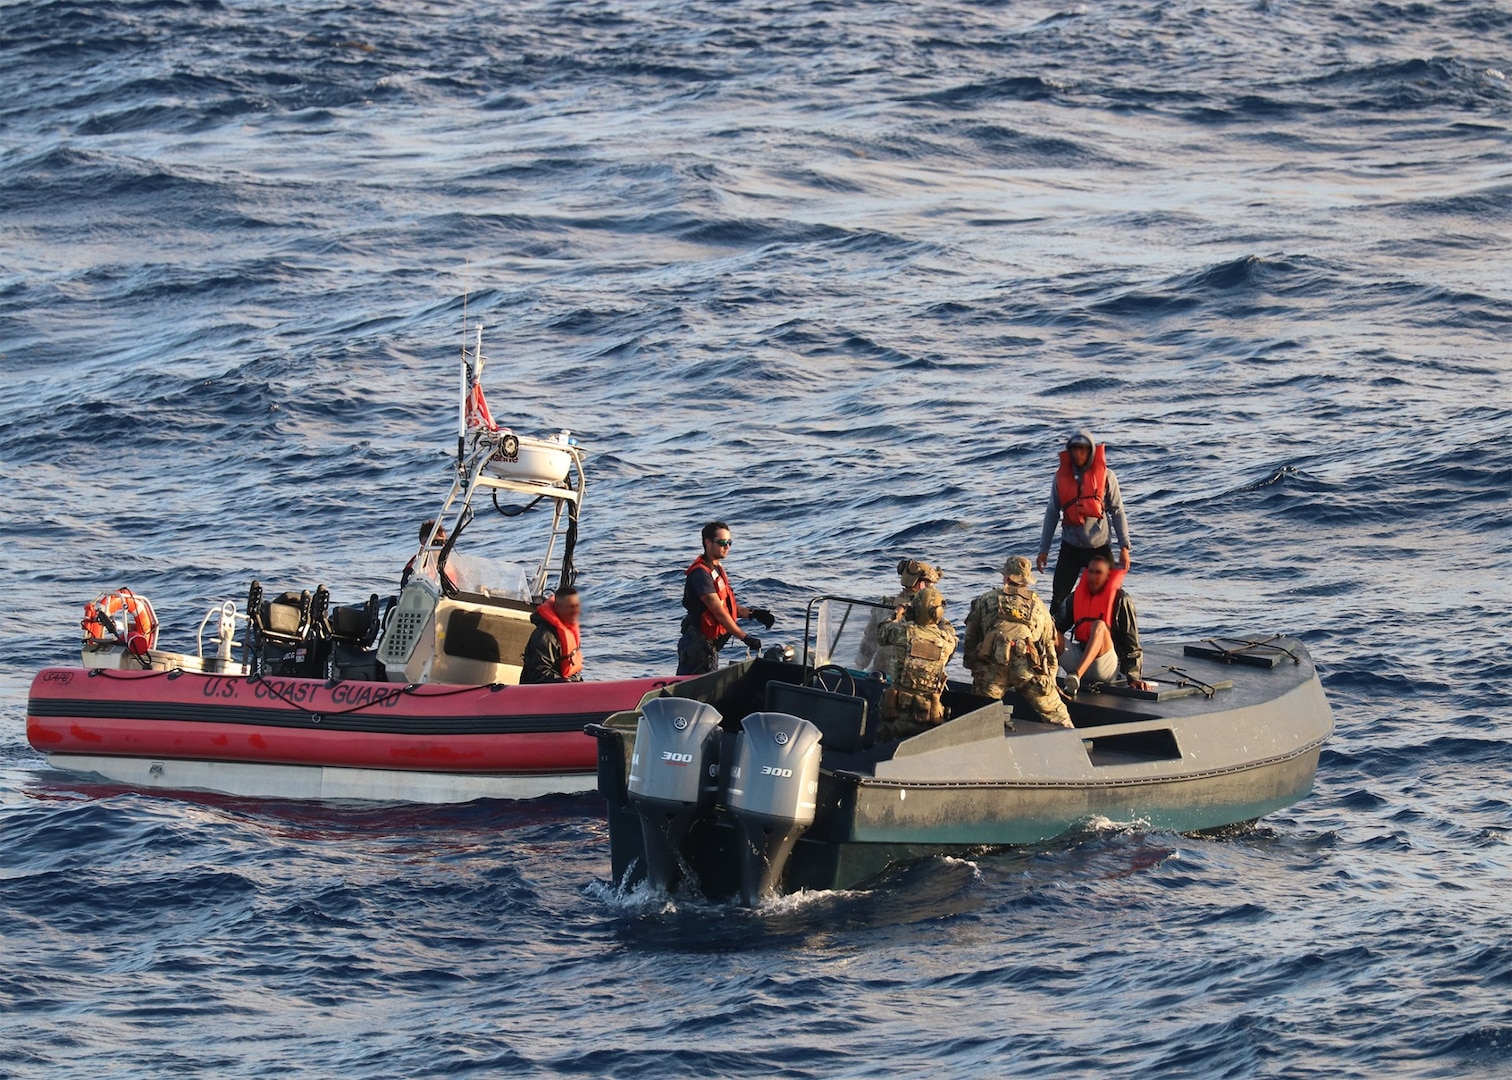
774	787
674	773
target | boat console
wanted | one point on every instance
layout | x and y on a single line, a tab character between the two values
465	618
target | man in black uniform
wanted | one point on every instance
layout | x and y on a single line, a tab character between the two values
712	610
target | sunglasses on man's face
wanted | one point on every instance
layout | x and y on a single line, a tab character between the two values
721	543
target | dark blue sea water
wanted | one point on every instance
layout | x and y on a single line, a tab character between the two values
843	274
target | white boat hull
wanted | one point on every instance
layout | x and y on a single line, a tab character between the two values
325	782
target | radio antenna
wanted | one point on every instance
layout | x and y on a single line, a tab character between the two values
465	381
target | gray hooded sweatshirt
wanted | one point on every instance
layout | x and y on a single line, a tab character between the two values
1096	532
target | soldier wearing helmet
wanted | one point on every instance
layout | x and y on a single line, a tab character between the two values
1011	644
922	641
913	575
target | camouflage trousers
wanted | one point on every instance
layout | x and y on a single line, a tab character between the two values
1038	692
906	713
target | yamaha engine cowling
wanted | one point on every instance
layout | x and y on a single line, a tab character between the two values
774	785
674	773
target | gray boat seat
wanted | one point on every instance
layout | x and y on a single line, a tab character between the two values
290	618
355	624
286	616
840	718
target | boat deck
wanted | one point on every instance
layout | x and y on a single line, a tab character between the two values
1196	682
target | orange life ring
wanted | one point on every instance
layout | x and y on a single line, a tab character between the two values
132	616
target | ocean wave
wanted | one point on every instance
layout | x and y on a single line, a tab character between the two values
846	277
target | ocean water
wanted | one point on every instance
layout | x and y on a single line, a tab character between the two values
844	275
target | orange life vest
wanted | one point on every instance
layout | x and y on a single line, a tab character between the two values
1081	498
135	622
1087	609
570	639
707	624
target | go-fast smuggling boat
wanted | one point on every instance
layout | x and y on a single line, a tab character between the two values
415	699
768	777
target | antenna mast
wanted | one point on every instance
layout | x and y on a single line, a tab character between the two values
462	394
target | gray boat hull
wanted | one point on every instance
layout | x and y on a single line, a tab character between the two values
1234	744
945	819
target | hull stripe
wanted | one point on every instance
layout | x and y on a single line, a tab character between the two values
373	720
893	783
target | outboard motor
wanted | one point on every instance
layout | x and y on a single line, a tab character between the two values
774	787
674	774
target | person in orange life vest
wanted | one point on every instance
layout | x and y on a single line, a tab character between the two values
711	608
437	544
1087	505
554	652
1099	630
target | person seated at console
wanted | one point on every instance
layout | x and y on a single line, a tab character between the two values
554	653
428	559
1099	630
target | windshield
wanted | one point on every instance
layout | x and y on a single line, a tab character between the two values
845	633
491	577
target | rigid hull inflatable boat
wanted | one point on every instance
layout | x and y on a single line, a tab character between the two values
319	739
763	778
414	699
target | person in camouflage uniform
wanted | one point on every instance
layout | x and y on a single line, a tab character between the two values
913	575
922	644
1010	644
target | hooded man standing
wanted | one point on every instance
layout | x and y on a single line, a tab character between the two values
1086	503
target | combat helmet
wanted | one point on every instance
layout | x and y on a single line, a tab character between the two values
927	606
912	571
1018	571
